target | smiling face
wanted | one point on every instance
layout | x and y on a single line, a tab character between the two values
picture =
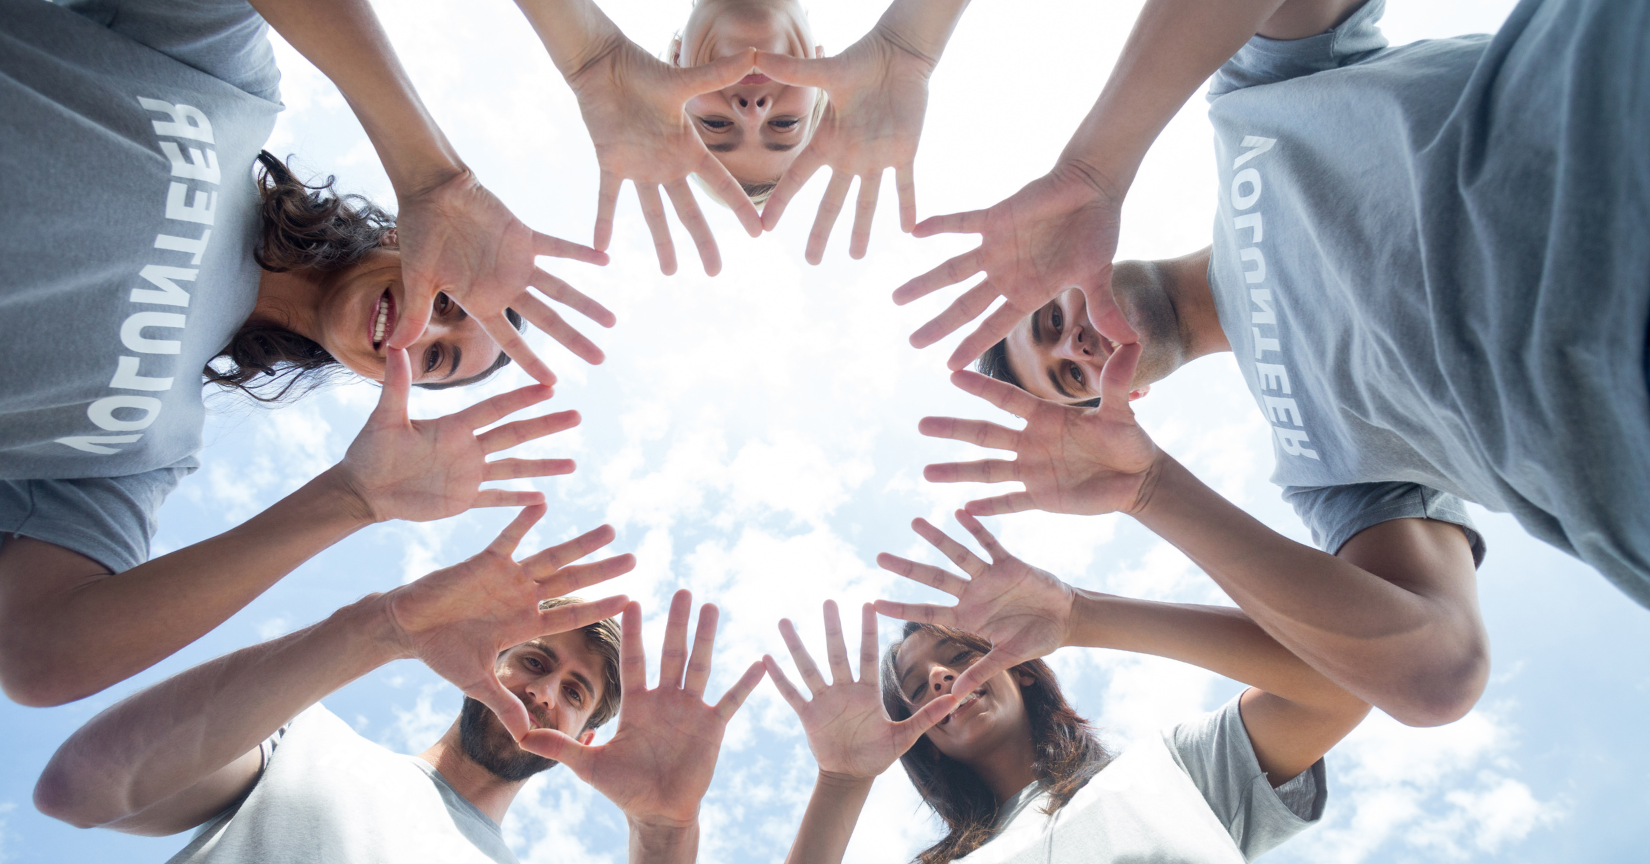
757	127
560	678
992	717
360	304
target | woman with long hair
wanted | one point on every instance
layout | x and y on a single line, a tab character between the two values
1011	769
144	259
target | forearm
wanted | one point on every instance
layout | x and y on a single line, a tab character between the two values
167	738
922	27
574	32
1389	641
663	845
87	635
344	39
829	821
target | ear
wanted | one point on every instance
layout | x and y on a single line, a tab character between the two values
1025	680
819	51
390	240
1137	393
676	51
586	737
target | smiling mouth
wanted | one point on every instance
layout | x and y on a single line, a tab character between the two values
755	78
383	317
963	704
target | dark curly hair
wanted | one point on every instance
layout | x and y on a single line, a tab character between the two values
304	227
1068	753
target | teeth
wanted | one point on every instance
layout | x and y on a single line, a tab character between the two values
383	319
964	703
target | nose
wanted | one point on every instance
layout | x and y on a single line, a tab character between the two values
751	105
1078	344
941	679
542	693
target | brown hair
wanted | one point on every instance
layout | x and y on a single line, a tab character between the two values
601	637
304	226
1068	753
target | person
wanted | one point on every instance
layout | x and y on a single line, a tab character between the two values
268	774
1432	282
137	123
1011	769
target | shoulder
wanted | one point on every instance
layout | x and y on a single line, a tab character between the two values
1268	61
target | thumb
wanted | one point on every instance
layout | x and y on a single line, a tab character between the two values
707	77
795	71
413	312
509	709
1104	314
913	727
993	662
1117	378
392	401
557	745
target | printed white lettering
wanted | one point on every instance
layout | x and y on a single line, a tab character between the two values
1273	377
1247	177
1257	145
187	122
1263	344
1292	439
103	411
1258	272
1283	410
127	378
196	248
1252	222
199	166
90	443
1262	297
131	332
161	277
199	211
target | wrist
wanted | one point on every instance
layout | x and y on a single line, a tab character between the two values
1108	180
1152	482
342	491
655	840
835	781
374	637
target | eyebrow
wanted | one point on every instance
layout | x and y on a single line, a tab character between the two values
778	148
721	148
458	354
555	660
1059	384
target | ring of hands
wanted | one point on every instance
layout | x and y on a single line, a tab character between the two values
660	761
457	238
1071	459
458	619
850	733
1059	230
632	104
878	96
1024	611
423	470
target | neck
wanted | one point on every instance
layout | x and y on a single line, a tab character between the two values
491	794
1006	768
1185	281
289	300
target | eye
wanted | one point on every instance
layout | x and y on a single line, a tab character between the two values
1057	319
784	124
917	693
443	303
432	359
1076	373
533	664
715	124
574	695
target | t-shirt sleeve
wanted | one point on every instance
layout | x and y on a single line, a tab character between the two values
1214	750
1268	61
226	39
107	519
1335	514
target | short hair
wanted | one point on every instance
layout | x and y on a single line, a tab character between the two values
994	364
603	638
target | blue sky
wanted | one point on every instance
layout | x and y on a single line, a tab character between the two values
752	437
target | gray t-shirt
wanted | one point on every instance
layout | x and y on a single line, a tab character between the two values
329	796
130	215
1193	795
1431	262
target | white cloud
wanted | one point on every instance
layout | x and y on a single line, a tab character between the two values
415	729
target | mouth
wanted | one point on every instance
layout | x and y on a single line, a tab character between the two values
382	321
963	704
755	78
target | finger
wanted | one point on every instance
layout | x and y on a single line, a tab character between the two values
496	408
797	71
982	670
971	222
726	72
741	689
714	173
867	644
693	219
927	574
607	200
1110	321
864	211
507	498
392	399
511	343
547	561
982	536
968	306
417	301
509	709
632	656
790	183
515	469
1116	379
799	655
957	553
1013	502
999	393
571	297
564	619
905	184
982	471
787	690
673	656
829	207
653	210
507	540
521	431
922	613
557	745
977	432
704	644
954	270
578	576
836	649
994	329
540	315
555	247
913	727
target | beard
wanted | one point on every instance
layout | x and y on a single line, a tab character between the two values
490	745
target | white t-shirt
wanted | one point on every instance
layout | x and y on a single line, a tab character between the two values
329	796
1193	795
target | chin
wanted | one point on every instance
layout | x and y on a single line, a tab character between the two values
488	744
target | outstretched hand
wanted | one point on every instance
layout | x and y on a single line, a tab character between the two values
878	96
848	731
1057	231
659	763
1071	460
458	239
633	106
457	620
423	470
1024	611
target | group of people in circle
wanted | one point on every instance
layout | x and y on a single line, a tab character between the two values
1429	262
